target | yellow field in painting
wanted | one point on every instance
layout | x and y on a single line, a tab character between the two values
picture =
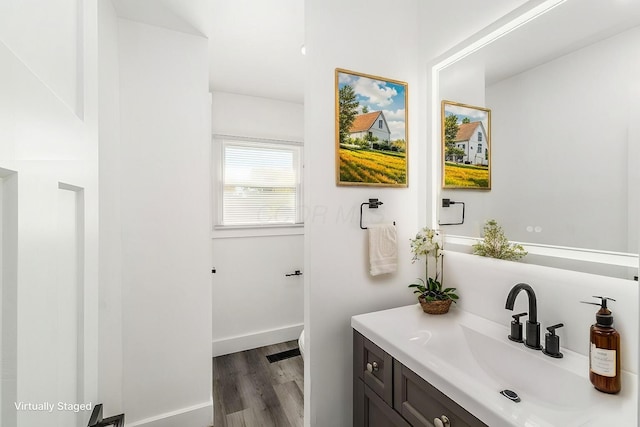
373	167
457	175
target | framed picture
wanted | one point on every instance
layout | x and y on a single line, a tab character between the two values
371	130
466	146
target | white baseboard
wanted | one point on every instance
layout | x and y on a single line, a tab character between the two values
254	340
200	415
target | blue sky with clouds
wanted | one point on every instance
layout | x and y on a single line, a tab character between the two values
379	95
473	114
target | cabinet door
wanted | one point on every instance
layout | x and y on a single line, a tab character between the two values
374	411
420	403
374	366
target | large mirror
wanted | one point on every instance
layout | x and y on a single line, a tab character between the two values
564	95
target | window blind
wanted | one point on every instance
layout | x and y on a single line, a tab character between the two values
261	183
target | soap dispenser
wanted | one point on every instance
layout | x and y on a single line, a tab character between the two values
604	351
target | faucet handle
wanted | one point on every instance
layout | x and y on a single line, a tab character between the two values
552	342
516	317
516	328
552	329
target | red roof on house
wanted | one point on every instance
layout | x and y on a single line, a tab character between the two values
363	122
466	131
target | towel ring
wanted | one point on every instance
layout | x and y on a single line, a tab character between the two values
373	204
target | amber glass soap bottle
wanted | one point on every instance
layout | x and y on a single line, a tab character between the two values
604	351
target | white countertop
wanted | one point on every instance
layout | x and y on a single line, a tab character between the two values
470	360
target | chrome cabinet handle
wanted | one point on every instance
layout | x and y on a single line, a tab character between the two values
443	421
372	367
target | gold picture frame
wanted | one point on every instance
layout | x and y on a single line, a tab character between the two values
371	130
466	146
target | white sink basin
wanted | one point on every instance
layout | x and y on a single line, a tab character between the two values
507	365
470	359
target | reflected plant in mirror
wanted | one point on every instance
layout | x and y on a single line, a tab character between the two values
496	245
565	138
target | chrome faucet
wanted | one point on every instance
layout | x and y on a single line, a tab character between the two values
532	339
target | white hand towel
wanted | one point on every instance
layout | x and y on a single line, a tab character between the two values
383	249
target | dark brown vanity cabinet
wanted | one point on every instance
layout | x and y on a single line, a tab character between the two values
388	394
370	410
374	367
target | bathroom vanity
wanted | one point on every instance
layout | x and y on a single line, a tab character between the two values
413	369
387	393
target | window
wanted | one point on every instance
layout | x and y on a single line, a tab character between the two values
380	124
260	183
479	148
479	136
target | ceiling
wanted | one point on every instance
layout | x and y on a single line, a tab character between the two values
570	26
254	48
254	45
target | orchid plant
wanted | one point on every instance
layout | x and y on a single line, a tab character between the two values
427	244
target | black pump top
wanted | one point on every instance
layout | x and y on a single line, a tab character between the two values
604	318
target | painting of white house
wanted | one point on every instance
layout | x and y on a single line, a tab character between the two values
371	130
466	146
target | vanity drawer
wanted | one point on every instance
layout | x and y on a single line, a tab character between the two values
420	403
373	366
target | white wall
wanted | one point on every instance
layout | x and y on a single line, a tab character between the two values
45	35
337	284
254	304
164	194
110	213
8	295
55	238
253	116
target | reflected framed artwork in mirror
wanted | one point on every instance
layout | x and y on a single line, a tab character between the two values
371	130
551	169
466	146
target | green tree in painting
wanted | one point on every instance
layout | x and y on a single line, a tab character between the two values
400	144
371	139
348	106
451	128
365	109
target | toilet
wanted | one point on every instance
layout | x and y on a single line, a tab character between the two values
301	344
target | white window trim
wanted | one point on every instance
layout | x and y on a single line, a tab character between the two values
220	231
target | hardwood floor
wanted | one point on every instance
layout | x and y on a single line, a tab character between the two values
248	391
